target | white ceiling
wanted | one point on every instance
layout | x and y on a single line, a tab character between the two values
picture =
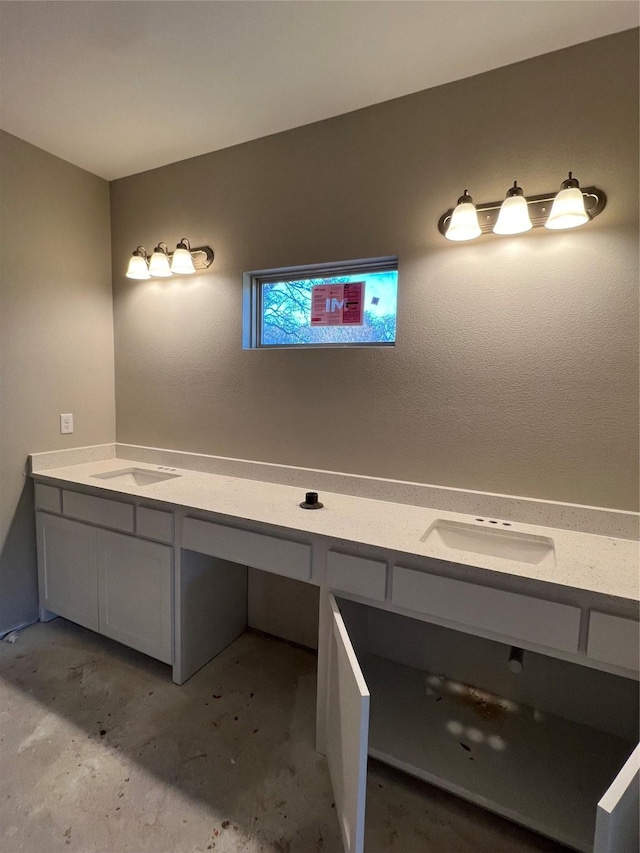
118	87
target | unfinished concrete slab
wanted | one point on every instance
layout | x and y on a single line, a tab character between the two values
101	753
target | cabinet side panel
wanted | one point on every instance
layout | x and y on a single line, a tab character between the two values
212	611
283	607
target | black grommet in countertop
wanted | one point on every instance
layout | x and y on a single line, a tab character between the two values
311	501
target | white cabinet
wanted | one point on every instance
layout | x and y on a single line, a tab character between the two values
134	593
104	511
617	823
347	732
48	498
544	771
155	524
258	550
348	573
520	617
381	691
68	569
614	640
116	584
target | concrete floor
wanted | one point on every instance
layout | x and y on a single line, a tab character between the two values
101	753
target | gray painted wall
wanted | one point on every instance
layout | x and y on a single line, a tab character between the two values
56	339
516	365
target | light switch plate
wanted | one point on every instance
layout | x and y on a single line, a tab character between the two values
66	424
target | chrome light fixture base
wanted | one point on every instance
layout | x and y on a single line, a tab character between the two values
202	257
539	208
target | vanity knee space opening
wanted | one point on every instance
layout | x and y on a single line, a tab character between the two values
217	600
540	747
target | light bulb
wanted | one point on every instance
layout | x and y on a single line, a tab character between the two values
159	263
182	261
568	210
138	268
513	217
464	220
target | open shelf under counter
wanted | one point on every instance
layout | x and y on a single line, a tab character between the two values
539	770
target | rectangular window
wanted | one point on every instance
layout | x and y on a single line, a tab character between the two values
347	304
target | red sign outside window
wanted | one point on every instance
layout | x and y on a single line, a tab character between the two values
337	304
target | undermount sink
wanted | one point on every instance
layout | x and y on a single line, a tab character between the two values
135	476
491	542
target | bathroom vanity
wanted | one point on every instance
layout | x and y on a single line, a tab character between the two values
420	610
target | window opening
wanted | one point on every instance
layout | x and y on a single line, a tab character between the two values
348	304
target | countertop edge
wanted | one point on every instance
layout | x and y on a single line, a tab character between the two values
62	477
602	521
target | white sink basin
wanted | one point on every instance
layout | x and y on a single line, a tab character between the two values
135	476
491	542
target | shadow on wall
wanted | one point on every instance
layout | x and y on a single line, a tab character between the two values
18	567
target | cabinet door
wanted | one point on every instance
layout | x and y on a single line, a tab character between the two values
347	732
67	569
134	582
617	817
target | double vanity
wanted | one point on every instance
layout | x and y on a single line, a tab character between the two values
486	644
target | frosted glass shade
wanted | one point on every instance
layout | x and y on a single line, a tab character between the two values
513	217
138	268
464	222
182	262
159	265
568	210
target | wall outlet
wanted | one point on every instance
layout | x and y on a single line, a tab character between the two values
66	423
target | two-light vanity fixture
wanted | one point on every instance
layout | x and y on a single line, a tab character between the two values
163	264
570	207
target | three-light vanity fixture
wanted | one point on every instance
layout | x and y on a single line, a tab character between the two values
163	264
568	208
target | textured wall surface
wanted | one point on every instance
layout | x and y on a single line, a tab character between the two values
516	364
56	339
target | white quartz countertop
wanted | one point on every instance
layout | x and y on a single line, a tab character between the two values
600	564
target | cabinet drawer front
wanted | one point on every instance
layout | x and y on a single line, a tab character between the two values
98	510
357	575
48	497
154	524
291	559
516	616
614	639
